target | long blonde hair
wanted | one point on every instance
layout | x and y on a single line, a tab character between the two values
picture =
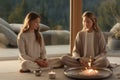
93	18
25	28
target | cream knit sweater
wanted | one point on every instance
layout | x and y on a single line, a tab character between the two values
29	48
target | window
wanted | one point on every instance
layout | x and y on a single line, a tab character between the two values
55	22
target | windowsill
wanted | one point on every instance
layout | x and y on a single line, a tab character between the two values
52	51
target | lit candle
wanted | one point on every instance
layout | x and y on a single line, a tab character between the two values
52	75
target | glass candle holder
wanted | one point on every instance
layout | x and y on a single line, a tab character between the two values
37	72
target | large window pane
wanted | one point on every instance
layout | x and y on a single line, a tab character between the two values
54	14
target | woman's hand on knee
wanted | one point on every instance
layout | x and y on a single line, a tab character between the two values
42	63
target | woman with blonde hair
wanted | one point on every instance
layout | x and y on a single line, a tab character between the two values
90	45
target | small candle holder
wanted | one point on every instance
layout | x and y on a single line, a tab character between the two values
37	72
52	75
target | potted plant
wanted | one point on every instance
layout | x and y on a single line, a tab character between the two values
116	34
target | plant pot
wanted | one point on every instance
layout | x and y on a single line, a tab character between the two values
113	44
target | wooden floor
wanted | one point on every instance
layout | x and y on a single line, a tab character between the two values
9	70
9	65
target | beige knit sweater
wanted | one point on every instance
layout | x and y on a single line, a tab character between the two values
99	44
29	48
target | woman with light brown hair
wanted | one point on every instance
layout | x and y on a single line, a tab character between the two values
90	45
32	48
31	44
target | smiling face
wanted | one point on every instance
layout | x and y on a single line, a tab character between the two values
87	23
34	24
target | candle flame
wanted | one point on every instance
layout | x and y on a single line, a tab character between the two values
89	64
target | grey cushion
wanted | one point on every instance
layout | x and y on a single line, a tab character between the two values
16	27
11	36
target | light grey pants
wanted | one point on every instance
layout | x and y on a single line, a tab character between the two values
30	65
72	62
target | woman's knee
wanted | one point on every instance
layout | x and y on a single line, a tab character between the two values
25	63
104	63
64	58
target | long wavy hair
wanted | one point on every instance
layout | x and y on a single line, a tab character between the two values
25	28
91	16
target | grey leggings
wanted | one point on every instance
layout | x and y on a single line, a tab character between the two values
72	62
